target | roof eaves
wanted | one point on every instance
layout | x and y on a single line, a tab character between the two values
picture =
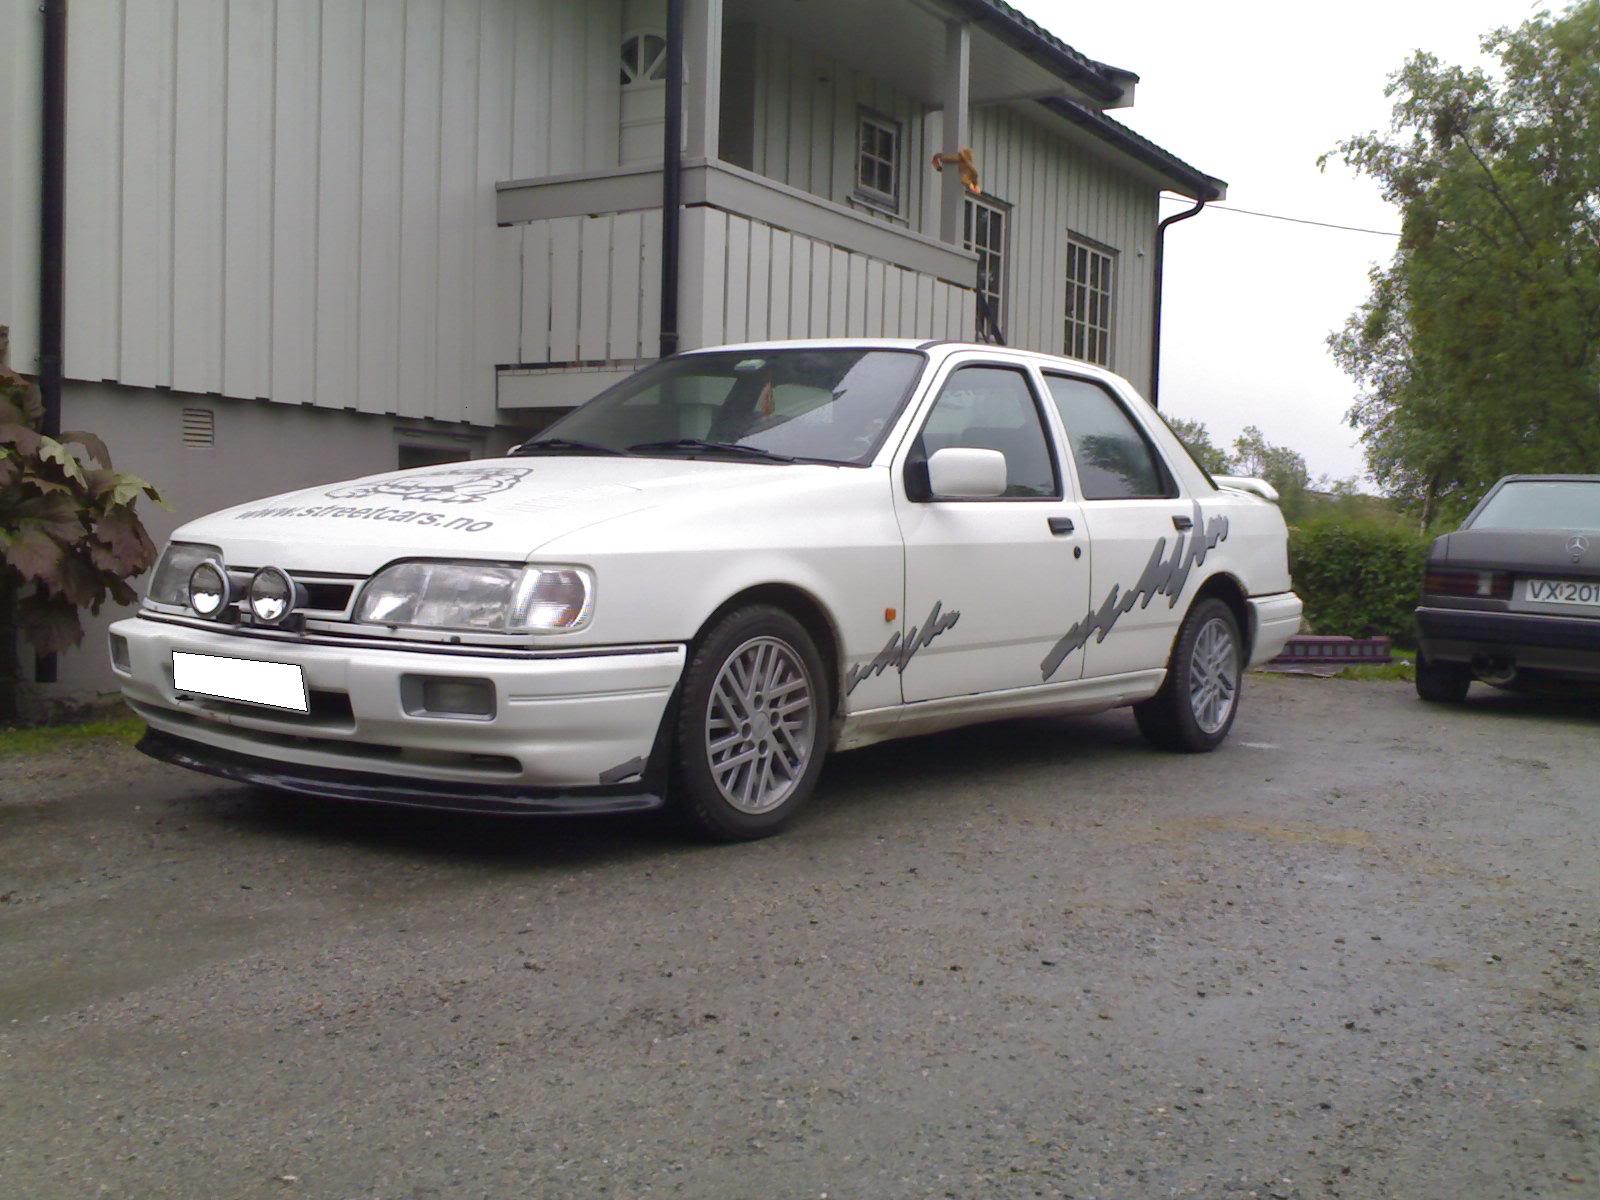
1191	180
1022	33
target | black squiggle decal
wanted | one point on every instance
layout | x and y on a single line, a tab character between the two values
1162	577
899	651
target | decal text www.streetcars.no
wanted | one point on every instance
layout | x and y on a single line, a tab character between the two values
1162	576
900	649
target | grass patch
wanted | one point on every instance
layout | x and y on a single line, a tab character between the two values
42	739
1403	671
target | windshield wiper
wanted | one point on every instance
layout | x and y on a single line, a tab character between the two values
558	445
719	447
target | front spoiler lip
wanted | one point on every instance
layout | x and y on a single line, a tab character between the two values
374	788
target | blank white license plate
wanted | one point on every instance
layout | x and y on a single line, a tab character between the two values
1562	591
273	685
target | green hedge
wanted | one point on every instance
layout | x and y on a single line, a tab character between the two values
1358	577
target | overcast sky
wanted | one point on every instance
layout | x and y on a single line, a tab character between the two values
1253	91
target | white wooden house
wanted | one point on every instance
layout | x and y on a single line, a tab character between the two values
309	238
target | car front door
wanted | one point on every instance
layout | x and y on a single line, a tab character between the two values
990	583
1142	530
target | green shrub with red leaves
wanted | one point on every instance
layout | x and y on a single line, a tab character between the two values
69	535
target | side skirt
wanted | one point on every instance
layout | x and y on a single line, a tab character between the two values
929	716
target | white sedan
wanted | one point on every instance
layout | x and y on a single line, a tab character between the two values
695	586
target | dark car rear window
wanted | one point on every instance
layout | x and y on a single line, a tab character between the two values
1542	504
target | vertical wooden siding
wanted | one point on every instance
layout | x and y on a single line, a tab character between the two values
591	288
1056	188
805	127
21	35
294	199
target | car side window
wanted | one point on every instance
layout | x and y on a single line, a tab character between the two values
991	408
1115	459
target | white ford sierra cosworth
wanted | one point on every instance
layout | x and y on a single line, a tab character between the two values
692	588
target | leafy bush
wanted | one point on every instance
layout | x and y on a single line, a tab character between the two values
1358	577
69	536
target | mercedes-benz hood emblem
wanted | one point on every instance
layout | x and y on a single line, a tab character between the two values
1576	546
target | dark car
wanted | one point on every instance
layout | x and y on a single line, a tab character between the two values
1512	598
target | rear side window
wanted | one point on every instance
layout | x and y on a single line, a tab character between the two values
1115	460
992	408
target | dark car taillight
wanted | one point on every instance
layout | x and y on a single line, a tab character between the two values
1485	585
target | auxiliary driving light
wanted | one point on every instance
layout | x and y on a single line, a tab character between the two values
272	596
209	591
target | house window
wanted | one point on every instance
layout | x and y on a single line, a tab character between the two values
985	232
1090	280
878	161
644	59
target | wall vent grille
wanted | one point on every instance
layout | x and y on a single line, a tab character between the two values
199	427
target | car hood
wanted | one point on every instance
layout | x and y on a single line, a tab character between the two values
1556	551
503	509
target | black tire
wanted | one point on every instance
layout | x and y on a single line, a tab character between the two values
1442	682
1169	718
787	752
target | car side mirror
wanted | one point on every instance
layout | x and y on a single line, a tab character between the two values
966	473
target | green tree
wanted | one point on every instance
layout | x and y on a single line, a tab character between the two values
1196	438
1478	351
1283	468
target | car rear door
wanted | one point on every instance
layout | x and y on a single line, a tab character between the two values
990	584
1141	530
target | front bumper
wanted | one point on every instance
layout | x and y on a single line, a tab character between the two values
1566	646
1273	621
568	727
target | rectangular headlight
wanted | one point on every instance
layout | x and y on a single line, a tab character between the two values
479	597
169	583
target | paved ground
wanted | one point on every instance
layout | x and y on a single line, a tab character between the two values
1352	954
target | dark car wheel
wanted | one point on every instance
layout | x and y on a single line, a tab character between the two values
752	725
1442	682
1196	705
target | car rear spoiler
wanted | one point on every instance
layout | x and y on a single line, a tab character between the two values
1240	483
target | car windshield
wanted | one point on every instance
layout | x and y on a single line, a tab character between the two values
829	405
1542	504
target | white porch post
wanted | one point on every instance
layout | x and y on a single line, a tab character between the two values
702	77
957	89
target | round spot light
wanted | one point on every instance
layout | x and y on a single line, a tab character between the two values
209	591
272	596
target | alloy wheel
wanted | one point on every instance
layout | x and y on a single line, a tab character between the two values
760	723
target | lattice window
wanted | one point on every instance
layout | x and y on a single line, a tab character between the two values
984	231
1091	281
878	160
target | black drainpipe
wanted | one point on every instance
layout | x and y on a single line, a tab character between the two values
1155	337
52	224
671	178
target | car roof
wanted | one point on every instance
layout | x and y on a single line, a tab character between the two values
935	346
1547	479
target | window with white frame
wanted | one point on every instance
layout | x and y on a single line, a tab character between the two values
878	160
984	231
644	59
1091	282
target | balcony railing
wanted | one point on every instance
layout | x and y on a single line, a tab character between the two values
760	260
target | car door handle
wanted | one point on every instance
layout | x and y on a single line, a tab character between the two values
1182	522
1061	525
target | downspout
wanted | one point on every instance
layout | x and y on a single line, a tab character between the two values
52	226
671	178
1155	336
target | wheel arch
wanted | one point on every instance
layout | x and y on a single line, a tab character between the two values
803	606
1230	591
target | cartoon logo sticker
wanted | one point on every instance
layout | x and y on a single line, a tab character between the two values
447	485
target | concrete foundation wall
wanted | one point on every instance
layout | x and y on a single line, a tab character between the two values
258	449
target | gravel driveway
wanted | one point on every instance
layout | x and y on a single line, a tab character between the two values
1354	953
